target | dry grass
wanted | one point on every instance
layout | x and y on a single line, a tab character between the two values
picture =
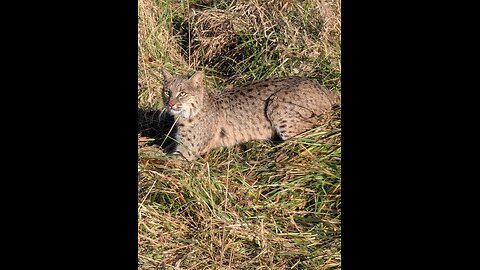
258	206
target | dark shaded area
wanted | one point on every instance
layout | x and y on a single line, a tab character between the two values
156	125
276	139
180	29
209	4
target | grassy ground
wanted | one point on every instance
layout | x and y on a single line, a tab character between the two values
262	205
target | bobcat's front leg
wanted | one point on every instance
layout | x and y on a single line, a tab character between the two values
186	152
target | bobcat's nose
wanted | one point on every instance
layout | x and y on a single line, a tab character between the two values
172	102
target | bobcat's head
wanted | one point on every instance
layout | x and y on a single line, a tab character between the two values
181	95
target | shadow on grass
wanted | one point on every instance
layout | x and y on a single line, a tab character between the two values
157	125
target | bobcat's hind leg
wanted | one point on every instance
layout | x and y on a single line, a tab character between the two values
288	117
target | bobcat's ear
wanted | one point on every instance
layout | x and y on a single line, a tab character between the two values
166	75
197	78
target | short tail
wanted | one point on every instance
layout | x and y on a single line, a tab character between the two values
335	98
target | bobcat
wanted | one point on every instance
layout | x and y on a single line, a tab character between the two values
281	107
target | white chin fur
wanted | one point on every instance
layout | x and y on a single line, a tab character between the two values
183	113
174	112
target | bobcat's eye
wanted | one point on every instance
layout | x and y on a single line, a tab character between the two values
167	94
182	94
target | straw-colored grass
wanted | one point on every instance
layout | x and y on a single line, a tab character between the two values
261	205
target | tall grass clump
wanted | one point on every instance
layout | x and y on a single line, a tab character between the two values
260	205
